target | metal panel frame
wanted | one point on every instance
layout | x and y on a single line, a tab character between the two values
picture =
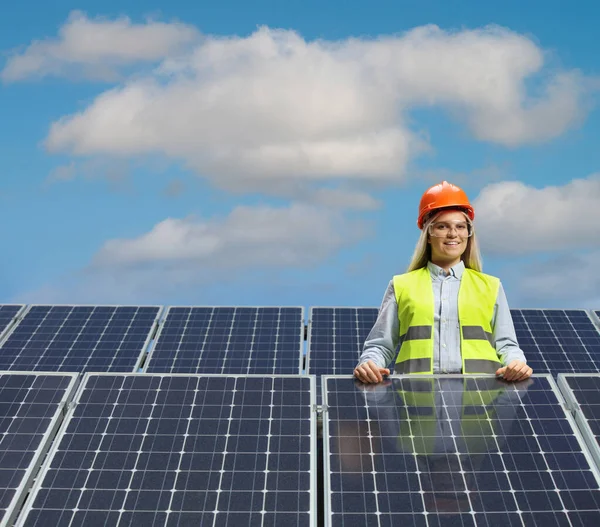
34	466
168	310
85	378
142	352
595	318
595	469
16	319
573	406
310	323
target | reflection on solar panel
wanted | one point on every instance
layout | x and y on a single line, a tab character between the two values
30	411
79	338
337	335
182	450
582	393
7	314
556	341
229	340
450	450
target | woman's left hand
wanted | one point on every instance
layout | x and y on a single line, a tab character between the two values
516	370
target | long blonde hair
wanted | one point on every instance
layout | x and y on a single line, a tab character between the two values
422	254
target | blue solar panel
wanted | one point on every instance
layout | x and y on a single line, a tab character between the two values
149	449
452	450
31	407
336	338
232	340
79	338
557	341
582	393
8	313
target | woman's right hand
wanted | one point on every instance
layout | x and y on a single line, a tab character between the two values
369	372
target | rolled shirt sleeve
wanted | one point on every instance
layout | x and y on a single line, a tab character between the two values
382	341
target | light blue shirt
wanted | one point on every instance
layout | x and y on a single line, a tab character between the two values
382	342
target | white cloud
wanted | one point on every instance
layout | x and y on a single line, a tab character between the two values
514	218
252	248
261	112
96	48
568	281
343	199
297	236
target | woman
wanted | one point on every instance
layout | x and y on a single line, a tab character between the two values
447	316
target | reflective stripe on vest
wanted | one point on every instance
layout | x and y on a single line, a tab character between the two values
476	299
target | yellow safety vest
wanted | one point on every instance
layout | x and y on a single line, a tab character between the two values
476	299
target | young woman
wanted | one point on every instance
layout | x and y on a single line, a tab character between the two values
446	315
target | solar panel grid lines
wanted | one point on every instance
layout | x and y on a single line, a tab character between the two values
8	314
31	410
558	341
582	395
62	337
182	449
229	340
455	450
336	336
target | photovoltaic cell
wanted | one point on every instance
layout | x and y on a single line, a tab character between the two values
452	450
558	341
7	314
140	450
30	408
232	340
79	338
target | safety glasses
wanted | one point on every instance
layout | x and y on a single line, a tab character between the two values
441	229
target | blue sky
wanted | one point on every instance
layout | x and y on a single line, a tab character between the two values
273	153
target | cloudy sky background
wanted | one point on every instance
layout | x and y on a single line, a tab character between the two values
275	153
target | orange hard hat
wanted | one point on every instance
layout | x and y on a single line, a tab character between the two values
444	195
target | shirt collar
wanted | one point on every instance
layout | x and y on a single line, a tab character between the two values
456	271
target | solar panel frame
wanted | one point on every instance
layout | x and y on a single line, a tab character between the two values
85	378
148	362
549	370
57	419
574	405
4	331
310	329
595	469
144	349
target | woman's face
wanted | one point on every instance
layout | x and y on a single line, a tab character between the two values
448	236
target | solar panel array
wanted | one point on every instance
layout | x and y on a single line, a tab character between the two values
182	450
558	341
8	312
79	338
337	335
231	340
30	410
455	451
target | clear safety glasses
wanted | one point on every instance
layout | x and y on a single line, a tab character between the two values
441	229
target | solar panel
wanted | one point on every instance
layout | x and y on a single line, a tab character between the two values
454	450
8	313
336	338
149	449
79	338
582	394
558	341
232	340
31	407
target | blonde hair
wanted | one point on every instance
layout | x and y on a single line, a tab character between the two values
422	254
